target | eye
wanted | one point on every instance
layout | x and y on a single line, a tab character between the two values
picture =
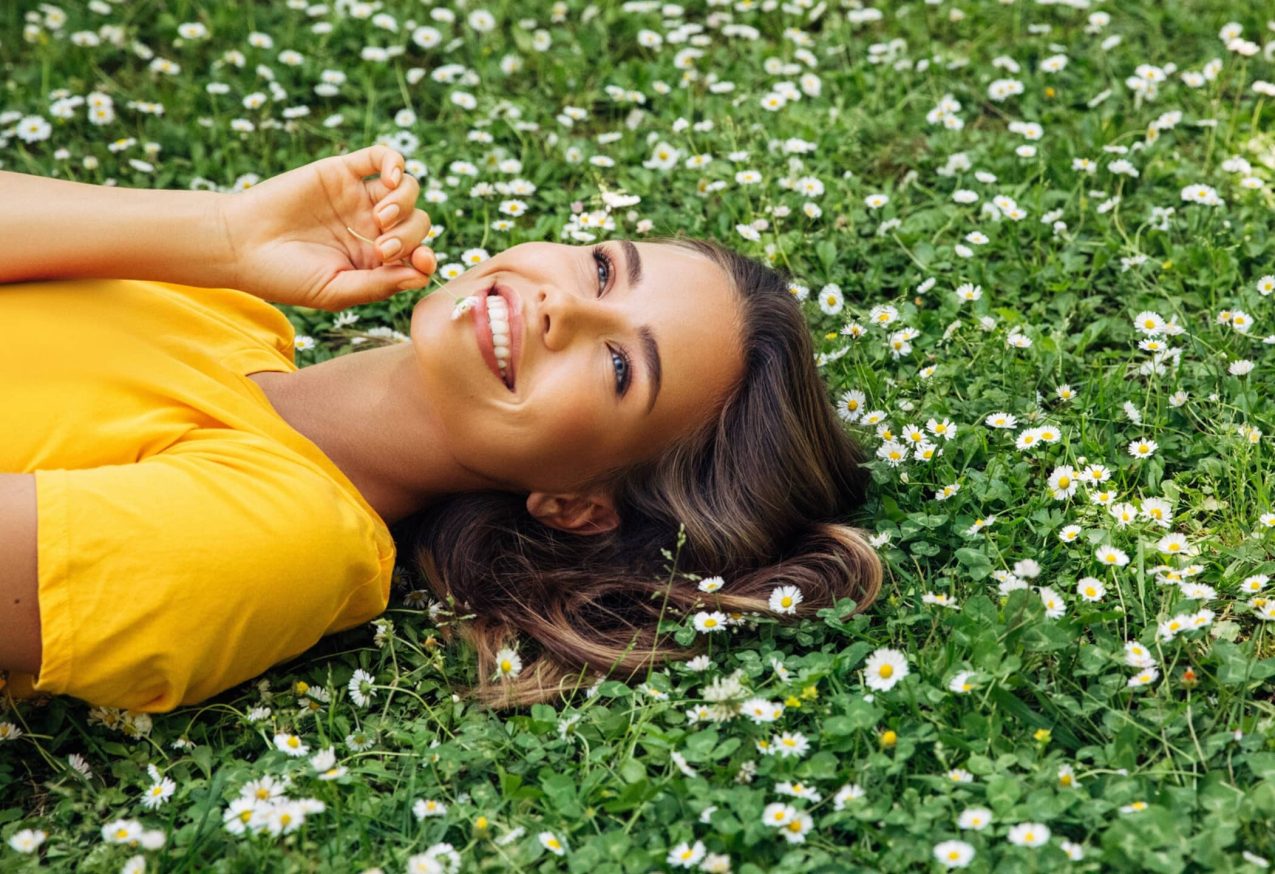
604	263
622	373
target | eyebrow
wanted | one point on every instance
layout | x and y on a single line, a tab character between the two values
650	348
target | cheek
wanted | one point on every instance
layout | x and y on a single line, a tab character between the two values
564	441
573	429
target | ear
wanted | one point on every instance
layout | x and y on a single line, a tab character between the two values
577	514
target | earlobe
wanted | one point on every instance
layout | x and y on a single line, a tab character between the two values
577	514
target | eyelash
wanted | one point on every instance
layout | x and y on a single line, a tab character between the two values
602	259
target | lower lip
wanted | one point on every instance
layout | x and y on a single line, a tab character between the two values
482	330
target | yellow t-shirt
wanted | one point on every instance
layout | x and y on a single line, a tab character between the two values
188	537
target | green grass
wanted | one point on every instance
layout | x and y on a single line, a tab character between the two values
1192	748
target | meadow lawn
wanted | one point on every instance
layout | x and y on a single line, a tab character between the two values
1034	244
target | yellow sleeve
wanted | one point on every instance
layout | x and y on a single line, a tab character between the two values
166	581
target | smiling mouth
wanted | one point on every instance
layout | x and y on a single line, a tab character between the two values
488	347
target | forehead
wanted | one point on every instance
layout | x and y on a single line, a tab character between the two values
691	307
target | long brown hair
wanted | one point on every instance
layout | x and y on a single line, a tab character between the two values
760	495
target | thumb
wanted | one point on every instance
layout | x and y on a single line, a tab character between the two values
352	287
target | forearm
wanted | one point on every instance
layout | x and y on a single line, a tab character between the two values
58	229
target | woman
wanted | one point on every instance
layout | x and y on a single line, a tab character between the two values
536	455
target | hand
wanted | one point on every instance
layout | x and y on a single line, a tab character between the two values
291	241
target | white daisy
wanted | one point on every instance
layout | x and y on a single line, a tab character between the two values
508	663
1029	834
885	667
160	792
711	584
709	622
686	855
846	793
428	807
784	599
791	743
361	688
778	814
831	300
290	744
976	818
551	843
954	854
28	840
795	829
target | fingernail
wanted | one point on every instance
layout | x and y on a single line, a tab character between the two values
389	247
387	213
395	175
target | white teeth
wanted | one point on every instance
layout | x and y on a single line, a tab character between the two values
498	320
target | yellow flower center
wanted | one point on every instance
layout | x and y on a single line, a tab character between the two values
886	670
786	601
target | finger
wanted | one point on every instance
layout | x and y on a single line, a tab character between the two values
405	236
353	287
378	160
398	203
424	260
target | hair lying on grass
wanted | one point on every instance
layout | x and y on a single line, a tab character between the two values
763	488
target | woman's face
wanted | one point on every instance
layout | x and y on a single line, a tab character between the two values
565	420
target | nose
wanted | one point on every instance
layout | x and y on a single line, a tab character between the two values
563	314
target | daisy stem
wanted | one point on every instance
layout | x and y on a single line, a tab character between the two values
360	236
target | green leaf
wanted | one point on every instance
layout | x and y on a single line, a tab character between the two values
560	789
632	796
696	747
1002	792
923	548
632	771
976	564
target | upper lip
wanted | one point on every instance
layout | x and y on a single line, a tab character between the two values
514	304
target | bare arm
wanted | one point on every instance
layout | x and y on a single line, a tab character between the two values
19	607
58	229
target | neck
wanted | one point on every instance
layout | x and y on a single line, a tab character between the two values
366	412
